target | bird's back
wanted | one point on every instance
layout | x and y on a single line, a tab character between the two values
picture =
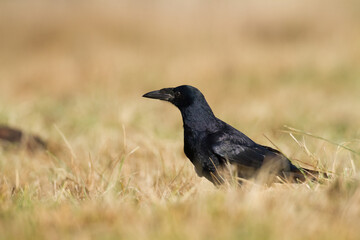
229	145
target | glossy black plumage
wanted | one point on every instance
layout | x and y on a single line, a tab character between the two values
210	143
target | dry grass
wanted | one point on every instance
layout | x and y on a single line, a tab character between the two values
74	73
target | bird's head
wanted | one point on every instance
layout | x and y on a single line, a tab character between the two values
181	96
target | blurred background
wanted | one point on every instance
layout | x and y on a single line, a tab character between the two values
261	65
83	66
73	72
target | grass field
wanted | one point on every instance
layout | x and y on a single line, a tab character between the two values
74	74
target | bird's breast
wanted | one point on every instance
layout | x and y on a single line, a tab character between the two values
192	144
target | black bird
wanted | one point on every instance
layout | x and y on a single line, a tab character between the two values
211	144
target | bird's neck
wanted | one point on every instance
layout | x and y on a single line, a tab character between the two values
198	117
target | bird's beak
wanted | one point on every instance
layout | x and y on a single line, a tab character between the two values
166	94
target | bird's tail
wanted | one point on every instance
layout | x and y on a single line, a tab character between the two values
303	174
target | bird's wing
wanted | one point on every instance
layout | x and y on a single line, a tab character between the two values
239	149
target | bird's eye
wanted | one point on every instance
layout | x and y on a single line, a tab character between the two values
177	94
